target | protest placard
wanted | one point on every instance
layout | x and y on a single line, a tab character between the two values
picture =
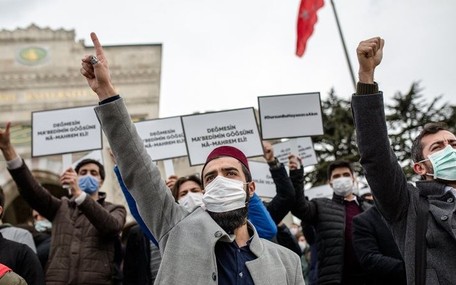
290	116
265	186
302	147
63	131
204	132
163	138
322	191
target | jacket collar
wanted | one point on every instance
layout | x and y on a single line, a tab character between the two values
256	245
430	187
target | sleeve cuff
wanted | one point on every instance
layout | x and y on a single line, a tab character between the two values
110	99
274	164
14	163
365	89
80	198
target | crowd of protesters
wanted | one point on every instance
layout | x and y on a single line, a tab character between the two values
213	228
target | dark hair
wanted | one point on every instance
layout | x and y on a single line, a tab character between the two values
182	180
248	175
428	129
2	202
338	164
245	170
88	161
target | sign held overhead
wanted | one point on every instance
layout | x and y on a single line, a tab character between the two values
290	116
63	131
204	132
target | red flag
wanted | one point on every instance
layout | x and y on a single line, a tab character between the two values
307	18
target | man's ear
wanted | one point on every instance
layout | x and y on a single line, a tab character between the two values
1	212
251	188
419	168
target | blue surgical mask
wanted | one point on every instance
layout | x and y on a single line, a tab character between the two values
43	225
88	184
443	163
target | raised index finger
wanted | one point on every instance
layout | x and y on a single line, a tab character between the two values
96	44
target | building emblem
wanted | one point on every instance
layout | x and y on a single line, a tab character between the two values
32	55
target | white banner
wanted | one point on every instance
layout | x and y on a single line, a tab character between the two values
163	138
323	191
65	131
265	186
204	132
302	147
290	116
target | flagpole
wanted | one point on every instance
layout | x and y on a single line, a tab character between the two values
344	46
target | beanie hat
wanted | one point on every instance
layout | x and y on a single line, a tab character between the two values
227	150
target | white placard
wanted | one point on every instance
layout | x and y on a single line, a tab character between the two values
163	138
265	186
67	161
323	191
95	155
204	132
303	147
290	116
65	131
169	167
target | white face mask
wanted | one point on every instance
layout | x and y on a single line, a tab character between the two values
224	194
342	186
43	225
191	200
294	231
302	245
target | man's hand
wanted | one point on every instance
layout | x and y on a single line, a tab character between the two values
171	181
268	151
294	162
5	143
370	53
70	178
96	71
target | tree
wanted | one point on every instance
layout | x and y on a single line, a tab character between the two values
405	116
338	140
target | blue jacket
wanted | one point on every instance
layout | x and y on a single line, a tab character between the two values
133	207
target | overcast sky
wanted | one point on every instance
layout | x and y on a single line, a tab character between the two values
221	55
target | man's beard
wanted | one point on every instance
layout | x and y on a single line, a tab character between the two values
231	220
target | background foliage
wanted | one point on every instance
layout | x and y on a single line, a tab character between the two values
405	115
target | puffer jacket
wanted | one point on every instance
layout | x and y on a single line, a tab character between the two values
328	218
85	238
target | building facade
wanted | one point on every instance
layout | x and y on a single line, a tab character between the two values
40	71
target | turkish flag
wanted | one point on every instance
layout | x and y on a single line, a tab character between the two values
307	18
